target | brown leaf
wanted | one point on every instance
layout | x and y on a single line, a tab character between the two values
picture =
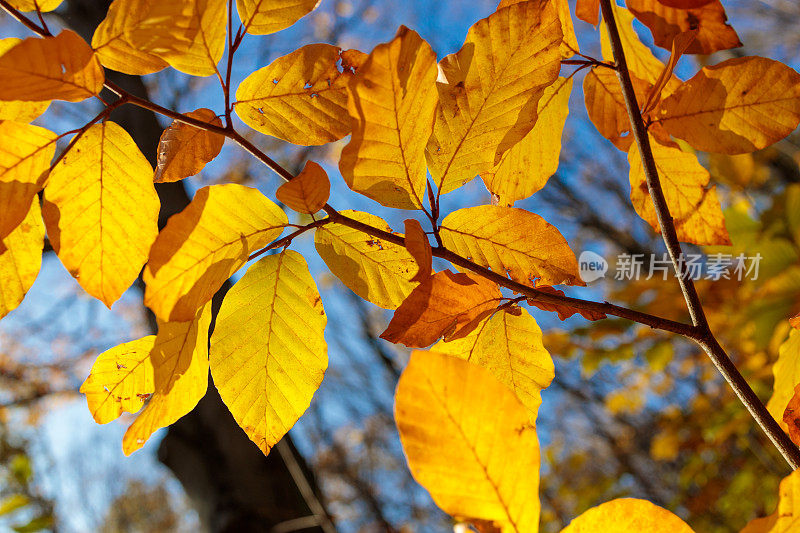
307	192
564	310
446	304
588	11
791	416
679	46
184	150
419	247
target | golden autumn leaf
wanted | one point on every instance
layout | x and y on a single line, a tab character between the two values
474	470
31	5
511	241
378	271
189	34
569	44
20	259
111	43
791	416
268	352
203	245
184	150
627	515
737	106
525	168
446	304
262	17
786	517
588	11
391	105
180	376
300	97
490	90
19	110
679	45
121	379
101	211
641	61
510	347
787	376
63	67
694	206
25	155
605	105
308	192
419	247
665	23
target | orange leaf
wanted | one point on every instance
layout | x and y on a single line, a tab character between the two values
564	310
184	150
446	304
795	321
588	11
307	192
63	67
713	33
685	4
606	105
791	416
679	45
419	247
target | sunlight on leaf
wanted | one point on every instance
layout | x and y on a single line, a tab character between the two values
184	150
20	259
786	517
787	375
262	17
627	515
31	5
308	192
19	110
419	247
641	61
111	43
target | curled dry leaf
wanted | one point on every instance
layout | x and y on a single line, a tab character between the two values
419	247
564	310
184	150
447	304
308	192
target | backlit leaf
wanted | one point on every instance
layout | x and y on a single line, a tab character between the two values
510	347
392	104
605	105
525	168
469	441
419	247
63	67
187	34
121	379
640	59
203	245
111	43
512	242
787	375
262	17
308	192
180	374
25	155
184	150
786	517
569	44
737	106
710	21
694	206
627	515
31	5
490	90
101	211
300	97
588	11
445	304
20	259
268	353
376	270
679	45
19	110
791	416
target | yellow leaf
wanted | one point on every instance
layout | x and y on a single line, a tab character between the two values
112	45
444	304
262	17
392	104
667	22
203	245
737	106
32	5
19	110
787	375
180	375
605	105
694	206
419	247
20	259
121	379
791	416
569	46
268	352
786	517
187	34
469	442
184	150
511	241
300	97
101	211
63	67
525	168
639	57
308	192
491	88
378	271
25	155
627	515
510	347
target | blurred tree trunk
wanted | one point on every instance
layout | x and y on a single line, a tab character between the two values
232	485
